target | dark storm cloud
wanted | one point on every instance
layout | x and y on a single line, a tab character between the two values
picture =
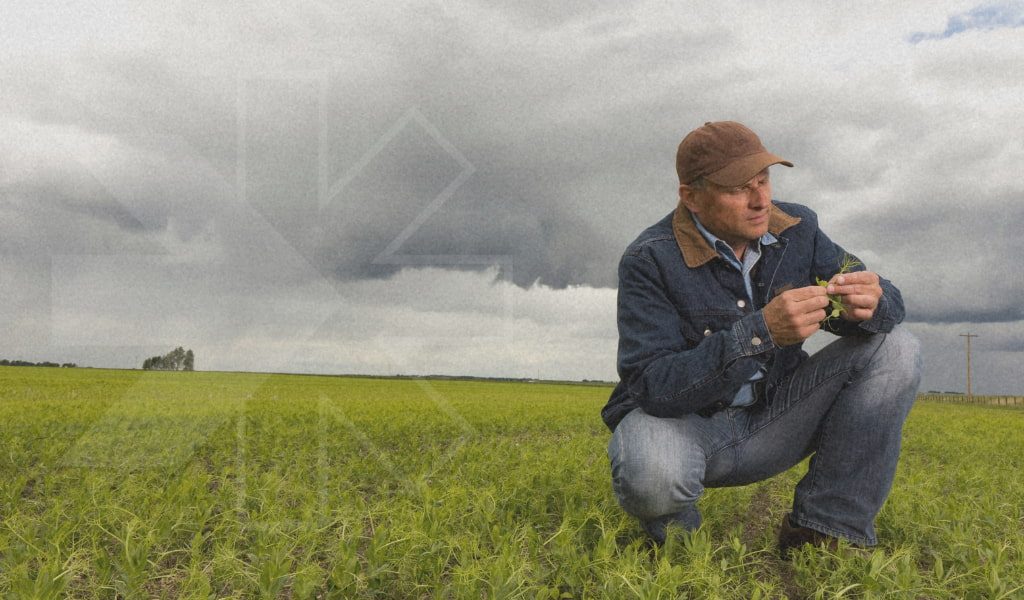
278	145
538	144
553	174
952	259
76	197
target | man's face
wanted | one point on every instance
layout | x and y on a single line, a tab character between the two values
736	215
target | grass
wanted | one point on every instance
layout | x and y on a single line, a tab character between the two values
124	484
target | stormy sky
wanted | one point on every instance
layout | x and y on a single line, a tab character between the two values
447	187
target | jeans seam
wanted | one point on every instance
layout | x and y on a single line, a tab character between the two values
751	434
813	470
731	445
817	447
776	417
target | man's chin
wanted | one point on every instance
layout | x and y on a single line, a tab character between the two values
757	232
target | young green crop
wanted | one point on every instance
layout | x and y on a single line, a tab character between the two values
130	484
835	300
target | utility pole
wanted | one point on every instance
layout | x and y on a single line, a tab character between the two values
968	336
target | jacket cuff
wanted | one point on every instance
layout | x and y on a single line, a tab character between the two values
752	336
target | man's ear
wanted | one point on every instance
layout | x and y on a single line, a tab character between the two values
688	196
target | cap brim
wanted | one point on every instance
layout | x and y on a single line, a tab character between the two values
744	169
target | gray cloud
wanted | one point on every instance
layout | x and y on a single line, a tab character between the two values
537	140
278	147
948	259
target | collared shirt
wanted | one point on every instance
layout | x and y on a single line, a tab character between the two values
745	396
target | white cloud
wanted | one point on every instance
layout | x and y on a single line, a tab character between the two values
187	137
420	322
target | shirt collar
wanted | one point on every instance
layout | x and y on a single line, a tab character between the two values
695	249
716	243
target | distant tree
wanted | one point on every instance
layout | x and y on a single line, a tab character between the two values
177	359
5	363
69	365
154	363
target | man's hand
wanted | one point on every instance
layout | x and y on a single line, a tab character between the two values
794	315
860	293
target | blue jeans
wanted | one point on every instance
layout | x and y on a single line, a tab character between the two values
845	405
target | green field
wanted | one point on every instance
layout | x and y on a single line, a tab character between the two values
211	485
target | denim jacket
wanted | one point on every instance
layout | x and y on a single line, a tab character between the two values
688	336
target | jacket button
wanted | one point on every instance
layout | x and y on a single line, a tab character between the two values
707	332
756	341
741	303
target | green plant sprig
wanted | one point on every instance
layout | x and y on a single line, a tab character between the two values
835	301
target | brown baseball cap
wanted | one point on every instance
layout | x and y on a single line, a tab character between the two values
723	152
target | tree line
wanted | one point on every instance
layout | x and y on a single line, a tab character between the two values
24	363
178	359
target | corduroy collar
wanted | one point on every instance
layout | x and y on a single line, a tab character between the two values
696	250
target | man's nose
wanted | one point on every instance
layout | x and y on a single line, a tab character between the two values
760	196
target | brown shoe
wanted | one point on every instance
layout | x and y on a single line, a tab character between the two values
793	536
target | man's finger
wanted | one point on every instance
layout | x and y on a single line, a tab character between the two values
855	277
834	288
811	304
858	314
853	288
859	301
805	293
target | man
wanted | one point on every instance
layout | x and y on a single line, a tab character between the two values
714	303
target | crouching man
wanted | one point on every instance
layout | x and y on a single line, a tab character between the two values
714	303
